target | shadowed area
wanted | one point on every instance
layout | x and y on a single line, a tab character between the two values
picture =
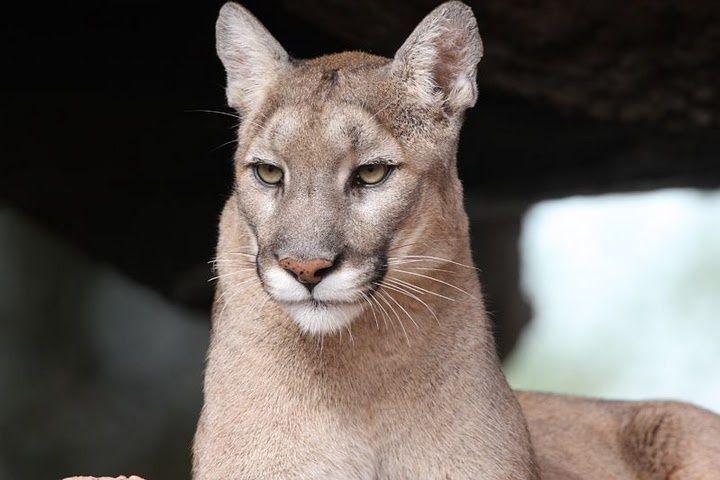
116	162
99	374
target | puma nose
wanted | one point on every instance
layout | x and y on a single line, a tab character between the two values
307	271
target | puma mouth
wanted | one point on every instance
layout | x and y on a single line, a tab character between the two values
323	318
319	303
331	305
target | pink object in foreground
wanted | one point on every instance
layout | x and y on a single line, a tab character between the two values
104	478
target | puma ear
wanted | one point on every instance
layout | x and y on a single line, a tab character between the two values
252	58
439	59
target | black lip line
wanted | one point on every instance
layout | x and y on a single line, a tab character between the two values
318	303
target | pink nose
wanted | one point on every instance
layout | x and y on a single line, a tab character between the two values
307	271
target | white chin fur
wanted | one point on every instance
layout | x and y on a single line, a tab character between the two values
322	319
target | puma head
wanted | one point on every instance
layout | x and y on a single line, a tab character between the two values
342	159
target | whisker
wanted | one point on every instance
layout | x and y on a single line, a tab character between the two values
414	297
234	140
349	330
233	261
418	289
231	294
424	242
252	122
244	259
238	288
410	244
387	294
242	270
262	305
227	114
258	305
229	255
227	264
407	285
382	297
436	280
440	259
421	268
386	315
372	308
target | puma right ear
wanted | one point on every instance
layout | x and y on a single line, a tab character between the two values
439	59
252	58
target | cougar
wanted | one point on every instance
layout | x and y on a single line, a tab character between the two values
349	337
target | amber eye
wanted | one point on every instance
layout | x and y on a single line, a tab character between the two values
268	174
372	173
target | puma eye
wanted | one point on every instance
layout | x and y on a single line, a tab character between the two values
268	174
372	173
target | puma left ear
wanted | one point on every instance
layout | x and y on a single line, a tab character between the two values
252	57
439	59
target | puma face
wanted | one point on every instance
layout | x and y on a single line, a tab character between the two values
323	191
339	157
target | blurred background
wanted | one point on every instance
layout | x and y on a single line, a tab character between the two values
591	165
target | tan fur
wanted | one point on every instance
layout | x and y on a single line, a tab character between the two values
408	390
282	405
578	438
382	398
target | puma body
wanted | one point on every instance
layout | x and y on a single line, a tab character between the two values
585	439
349	336
367	404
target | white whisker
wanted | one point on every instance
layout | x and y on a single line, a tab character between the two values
382	297
227	114
436	280
387	294
414	297
394	264
386	316
372	308
418	289
242	270
232	293
430	257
